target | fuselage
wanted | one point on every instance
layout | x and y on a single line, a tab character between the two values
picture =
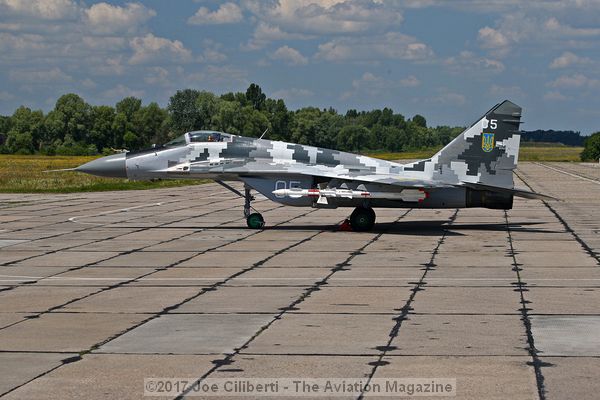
269	166
225	159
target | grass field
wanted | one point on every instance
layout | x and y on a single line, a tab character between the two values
25	174
404	155
537	152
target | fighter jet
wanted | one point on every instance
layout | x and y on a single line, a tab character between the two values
473	170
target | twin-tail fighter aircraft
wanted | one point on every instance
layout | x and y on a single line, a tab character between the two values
474	170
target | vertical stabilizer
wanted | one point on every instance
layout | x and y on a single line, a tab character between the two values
487	152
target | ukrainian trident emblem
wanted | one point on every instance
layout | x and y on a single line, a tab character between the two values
487	142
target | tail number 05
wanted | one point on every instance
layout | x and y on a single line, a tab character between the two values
491	123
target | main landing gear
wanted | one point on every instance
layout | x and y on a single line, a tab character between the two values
254	220
362	219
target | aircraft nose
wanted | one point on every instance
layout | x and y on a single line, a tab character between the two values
112	166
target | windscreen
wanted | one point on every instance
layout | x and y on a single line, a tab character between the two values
178	141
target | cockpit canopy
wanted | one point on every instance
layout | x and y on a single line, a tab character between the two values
205	136
198	137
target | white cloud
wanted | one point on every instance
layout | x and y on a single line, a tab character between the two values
212	56
449	98
376	86
292	93
507	5
108	66
157	76
150	48
554	26
306	19
265	33
227	13
88	84
327	16
121	91
227	76
468	61
102	30
527	28
574	81
104	43
95	40
392	45
10	26
491	38
42	9
289	56
21	43
410	81
106	18
568	59
211	53
52	75
555	95
503	92
5	96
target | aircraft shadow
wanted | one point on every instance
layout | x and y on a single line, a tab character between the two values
425	228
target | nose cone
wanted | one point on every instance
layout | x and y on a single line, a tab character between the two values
110	166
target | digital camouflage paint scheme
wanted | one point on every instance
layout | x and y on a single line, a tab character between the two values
474	170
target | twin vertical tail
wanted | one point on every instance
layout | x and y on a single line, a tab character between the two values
486	153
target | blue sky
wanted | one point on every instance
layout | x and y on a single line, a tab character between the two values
447	60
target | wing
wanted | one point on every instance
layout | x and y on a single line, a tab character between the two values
355	175
340	172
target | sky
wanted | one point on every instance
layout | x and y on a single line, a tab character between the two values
450	61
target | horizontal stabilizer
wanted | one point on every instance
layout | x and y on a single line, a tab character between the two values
515	192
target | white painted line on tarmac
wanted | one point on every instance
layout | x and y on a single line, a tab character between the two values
568	173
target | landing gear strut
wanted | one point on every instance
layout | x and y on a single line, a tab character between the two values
362	219
253	220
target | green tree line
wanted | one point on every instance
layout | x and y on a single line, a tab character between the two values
75	127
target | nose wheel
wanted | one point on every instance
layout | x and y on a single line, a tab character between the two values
255	221
362	219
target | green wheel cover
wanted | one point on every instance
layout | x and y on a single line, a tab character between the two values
255	221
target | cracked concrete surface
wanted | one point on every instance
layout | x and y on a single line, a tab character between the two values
505	302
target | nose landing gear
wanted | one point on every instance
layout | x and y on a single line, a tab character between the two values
254	220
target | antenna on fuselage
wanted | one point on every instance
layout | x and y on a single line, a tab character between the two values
264	133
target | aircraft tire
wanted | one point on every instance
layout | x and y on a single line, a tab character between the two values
255	221
362	219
